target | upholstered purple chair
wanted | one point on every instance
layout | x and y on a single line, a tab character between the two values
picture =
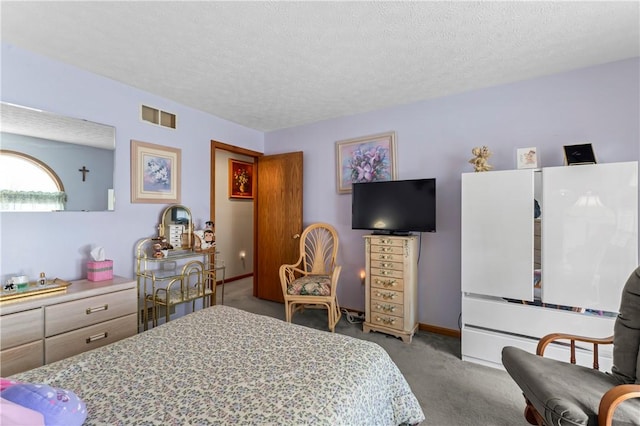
561	393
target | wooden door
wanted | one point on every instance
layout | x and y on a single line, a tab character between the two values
278	220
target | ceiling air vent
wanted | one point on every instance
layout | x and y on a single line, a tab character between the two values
159	117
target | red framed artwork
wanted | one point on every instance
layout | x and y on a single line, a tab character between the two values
241	179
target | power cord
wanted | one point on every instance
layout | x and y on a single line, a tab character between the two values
353	317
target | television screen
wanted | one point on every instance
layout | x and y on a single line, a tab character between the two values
395	207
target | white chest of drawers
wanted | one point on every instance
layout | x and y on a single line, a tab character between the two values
391	285
38	330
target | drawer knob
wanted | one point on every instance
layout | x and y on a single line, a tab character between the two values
97	309
390	283
97	337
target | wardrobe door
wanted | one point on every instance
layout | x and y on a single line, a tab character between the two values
589	233
497	233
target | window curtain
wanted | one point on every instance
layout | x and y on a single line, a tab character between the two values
31	200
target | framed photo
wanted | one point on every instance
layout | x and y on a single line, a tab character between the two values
241	179
579	154
527	158
155	173
366	159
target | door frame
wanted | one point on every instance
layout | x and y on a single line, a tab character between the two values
212	190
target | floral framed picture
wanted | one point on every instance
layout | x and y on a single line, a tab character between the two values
365	159
155	173
241	179
527	158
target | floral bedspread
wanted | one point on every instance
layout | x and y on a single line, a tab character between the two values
222	365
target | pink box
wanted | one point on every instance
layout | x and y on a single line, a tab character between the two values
100	270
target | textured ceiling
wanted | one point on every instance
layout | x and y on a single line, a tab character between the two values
272	65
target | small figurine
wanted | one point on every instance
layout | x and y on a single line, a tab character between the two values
482	154
208	236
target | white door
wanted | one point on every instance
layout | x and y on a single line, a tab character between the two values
589	233
497	233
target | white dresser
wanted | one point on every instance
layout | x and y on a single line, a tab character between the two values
391	285
523	278
38	330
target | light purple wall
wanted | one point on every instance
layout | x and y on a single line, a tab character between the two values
599	105
58	243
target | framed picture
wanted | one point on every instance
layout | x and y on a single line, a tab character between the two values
579	154
155	173
241	179
527	158
365	159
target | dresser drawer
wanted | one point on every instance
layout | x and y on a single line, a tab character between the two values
21	358
387	264
386	295
385	241
387	308
397	323
386	273
74	342
21	327
389	283
382	252
92	310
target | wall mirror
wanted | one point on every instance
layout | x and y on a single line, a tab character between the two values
76	156
177	226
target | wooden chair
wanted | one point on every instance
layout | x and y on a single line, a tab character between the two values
313	280
562	393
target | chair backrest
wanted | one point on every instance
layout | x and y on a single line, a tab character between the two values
626	333
319	248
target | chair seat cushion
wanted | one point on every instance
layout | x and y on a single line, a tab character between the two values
310	285
564	393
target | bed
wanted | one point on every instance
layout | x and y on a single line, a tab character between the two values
222	365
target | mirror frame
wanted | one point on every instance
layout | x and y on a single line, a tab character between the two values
177	215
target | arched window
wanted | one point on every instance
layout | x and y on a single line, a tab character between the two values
26	183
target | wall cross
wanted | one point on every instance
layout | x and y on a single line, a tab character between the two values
84	172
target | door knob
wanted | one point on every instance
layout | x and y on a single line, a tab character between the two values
296	236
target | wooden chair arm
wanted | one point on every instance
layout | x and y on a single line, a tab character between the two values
549	338
334	278
612	399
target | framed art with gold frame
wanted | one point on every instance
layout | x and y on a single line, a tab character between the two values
366	159
241	179
155	173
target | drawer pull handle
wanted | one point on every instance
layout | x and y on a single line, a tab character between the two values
386	265
385	272
386	283
97	309
385	249
386	308
97	337
390	321
385	296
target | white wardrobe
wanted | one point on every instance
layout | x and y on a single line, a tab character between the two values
587	246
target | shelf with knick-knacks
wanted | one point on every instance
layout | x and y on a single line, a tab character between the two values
173	268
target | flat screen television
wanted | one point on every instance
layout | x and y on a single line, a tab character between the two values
394	207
